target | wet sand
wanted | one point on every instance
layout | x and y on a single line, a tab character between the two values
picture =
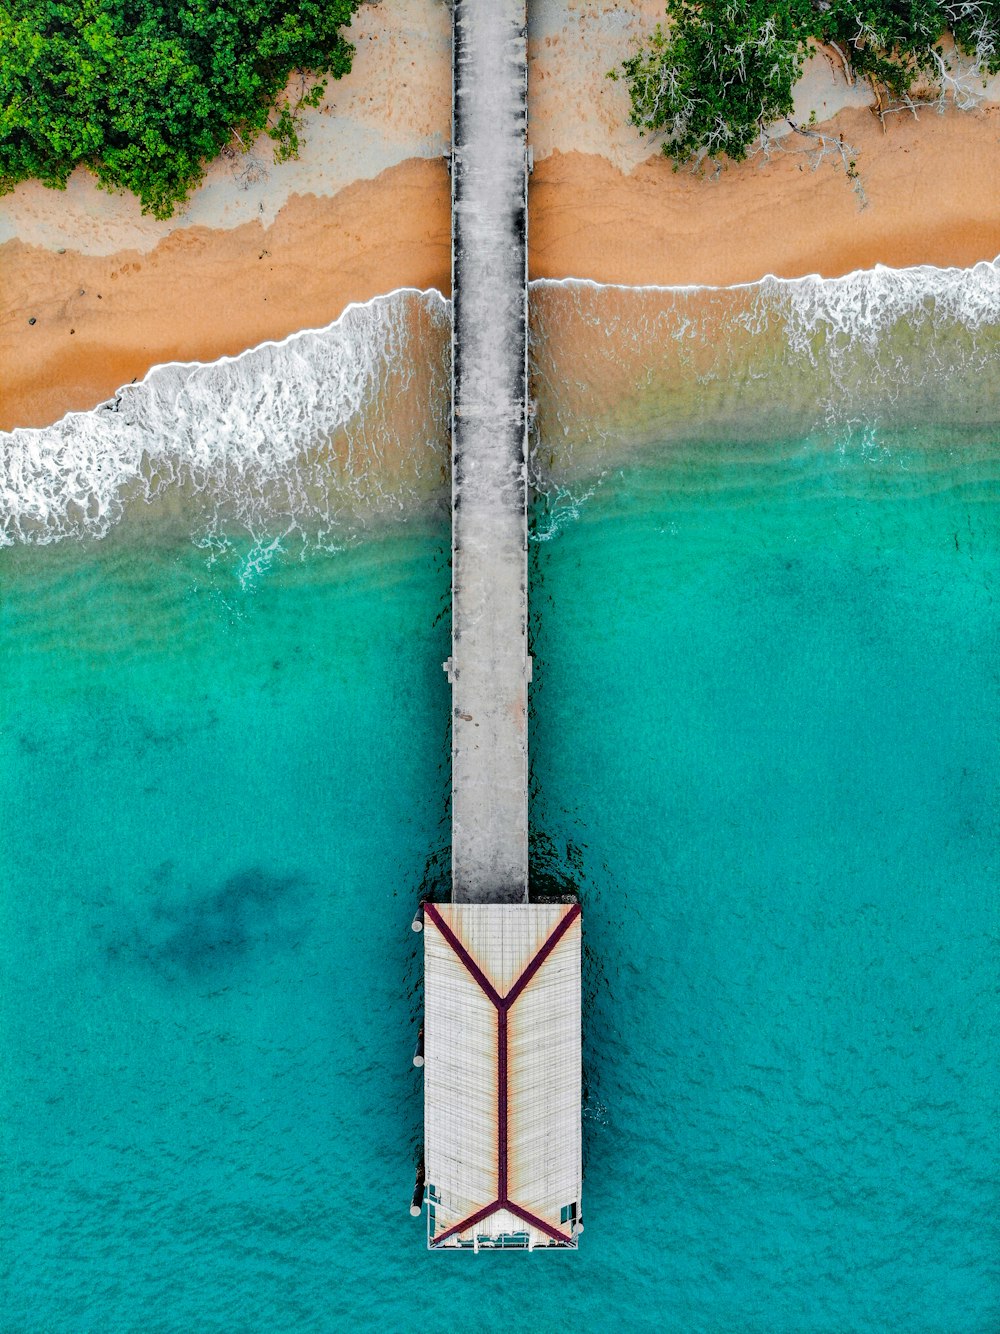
112	294
102	321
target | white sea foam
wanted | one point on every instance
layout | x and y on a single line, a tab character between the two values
621	373
286	429
329	427
868	333
956	283
860	305
865	304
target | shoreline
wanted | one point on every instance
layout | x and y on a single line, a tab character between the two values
366	397
600	209
570	280
924	203
105	321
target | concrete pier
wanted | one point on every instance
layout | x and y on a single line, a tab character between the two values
489	667
502	1049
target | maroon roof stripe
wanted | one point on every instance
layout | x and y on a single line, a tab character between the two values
484	982
471	1221
551	942
530	969
503	1005
503	1127
534	1221
524	1215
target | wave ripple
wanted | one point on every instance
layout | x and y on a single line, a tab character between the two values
298	430
330	429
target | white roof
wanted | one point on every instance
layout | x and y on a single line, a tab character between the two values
502	1077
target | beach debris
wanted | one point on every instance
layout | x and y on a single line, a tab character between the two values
822	147
846	64
253	173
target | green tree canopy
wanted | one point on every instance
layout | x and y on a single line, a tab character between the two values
146	92
719	71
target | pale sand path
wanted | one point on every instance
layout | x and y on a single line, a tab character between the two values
366	210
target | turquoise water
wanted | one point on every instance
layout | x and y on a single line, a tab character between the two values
765	747
766	731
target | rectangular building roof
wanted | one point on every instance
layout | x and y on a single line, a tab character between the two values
502	1074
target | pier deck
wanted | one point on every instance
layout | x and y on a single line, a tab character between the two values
489	663
501	1049
502	1076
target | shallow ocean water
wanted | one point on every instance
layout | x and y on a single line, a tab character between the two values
765	746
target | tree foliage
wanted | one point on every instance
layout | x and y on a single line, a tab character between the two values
146	92
714	74
719	71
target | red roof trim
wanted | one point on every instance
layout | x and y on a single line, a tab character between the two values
431	911
540	1223
503	1126
503	1005
466	1223
551	941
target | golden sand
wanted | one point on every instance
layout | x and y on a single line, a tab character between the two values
194	292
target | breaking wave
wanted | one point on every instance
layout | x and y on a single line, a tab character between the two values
333	429
618	367
325	429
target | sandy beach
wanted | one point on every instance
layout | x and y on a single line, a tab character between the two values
93	294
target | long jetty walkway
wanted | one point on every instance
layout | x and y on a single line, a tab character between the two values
489	666
501	1037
